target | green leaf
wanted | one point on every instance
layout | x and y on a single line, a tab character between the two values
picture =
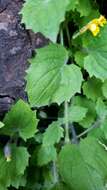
1	124
86	19
84	166
104	127
48	77
19	181
72	5
46	154
61	186
44	74
96	60
79	58
104	88
20	119
92	88
76	113
84	7
101	109
72	78
90	117
44	16
3	187
13	170
97	132
53	134
48	177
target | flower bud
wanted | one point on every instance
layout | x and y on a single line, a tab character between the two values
7	152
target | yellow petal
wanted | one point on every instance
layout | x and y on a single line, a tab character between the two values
102	20
94	21
8	159
94	28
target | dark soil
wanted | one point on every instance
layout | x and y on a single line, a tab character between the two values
16	45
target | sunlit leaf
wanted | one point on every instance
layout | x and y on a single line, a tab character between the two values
49	79
44	16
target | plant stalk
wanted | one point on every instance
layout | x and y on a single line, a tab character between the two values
55	173
67	139
74	135
95	125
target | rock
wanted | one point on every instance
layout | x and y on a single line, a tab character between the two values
16	46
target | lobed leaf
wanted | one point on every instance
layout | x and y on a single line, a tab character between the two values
93	88
76	113
20	120
90	117
84	166
44	16
49	79
53	134
96	60
13	170
46	154
101	108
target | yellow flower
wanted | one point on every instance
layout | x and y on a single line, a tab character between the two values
93	26
102	20
8	158
7	152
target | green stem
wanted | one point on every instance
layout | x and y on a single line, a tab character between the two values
68	35
67	139
95	125
61	37
55	173
75	35
74	135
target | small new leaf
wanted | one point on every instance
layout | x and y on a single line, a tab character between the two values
47	151
101	109
92	88
13	170
84	7
76	113
46	154
91	112
53	134
20	120
72	5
